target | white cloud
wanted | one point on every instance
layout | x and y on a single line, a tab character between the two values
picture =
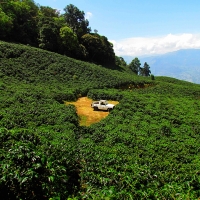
88	15
140	46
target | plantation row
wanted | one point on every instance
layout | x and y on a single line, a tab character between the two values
147	148
32	65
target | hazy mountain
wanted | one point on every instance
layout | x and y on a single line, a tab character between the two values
183	64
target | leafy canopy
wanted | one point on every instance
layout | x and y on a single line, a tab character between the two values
76	20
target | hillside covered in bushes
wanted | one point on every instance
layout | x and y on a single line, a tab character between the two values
29	23
147	148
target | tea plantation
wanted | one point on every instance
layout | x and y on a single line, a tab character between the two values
147	148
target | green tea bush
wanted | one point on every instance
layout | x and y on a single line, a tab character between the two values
146	148
38	66
37	164
140	149
24	116
109	94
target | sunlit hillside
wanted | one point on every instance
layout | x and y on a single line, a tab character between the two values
146	148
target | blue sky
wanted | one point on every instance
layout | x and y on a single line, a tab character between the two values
141	27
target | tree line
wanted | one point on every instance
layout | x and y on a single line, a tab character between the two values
68	34
44	27
135	66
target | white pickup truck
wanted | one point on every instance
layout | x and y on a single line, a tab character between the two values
102	105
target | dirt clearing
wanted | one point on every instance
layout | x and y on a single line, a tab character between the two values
86	113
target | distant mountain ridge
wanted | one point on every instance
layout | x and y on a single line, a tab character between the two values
182	64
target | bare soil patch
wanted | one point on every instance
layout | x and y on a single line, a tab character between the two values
87	115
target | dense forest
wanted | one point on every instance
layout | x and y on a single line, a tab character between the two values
69	34
148	147
44	27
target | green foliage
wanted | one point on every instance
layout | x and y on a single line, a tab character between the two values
46	11
76	20
108	94
120	62
22	16
152	77
135	65
44	27
142	71
37	164
147	147
49	34
69	41
145	70
100	50
39	67
5	24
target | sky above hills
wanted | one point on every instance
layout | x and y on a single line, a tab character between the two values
141	27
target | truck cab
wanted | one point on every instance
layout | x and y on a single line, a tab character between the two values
102	105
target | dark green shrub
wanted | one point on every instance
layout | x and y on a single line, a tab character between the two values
37	164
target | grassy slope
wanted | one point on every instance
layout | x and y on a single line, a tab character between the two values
34	65
148	147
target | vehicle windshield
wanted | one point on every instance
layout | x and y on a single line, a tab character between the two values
104	103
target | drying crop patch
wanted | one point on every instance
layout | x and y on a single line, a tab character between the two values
87	115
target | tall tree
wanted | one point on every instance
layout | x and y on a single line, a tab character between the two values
119	61
6	24
22	15
145	71
135	65
100	50
48	37
70	44
46	11
49	24
75	19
